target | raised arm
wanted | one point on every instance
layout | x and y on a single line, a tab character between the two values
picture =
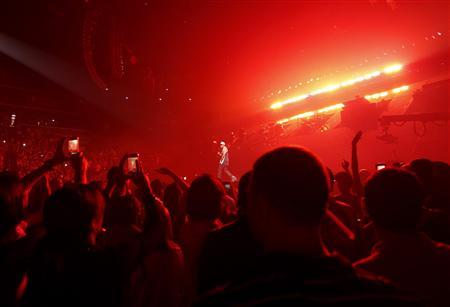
58	157
180	182
117	180
80	165
355	165
143	190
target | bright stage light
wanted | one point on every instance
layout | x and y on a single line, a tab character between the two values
387	70
282	121
302	115
278	105
298	116
339	106
393	68
400	89
386	93
333	107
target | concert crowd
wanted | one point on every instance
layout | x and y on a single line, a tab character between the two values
76	230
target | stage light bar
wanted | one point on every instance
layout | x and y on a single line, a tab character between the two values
376	95
393	69
311	113
339	106
386	93
278	105
333	107
400	89
387	70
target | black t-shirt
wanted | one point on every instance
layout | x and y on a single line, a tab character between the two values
286	280
226	251
72	277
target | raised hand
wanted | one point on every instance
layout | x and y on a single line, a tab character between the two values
164	171
180	182
59	156
80	165
357	138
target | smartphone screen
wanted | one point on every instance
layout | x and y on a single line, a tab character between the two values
74	145
131	163
380	166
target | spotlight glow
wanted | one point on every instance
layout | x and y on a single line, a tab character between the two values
330	88
311	113
386	93
303	115
400	89
340	106
333	107
278	105
393	68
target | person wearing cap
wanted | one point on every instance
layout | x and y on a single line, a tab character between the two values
224	162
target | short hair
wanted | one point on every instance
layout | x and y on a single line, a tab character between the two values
73	212
204	198
11	206
423	169
394	199
294	181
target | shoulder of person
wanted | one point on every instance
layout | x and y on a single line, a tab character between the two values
442	248
171	255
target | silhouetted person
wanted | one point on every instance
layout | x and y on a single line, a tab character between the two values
403	255
12	237
20	224
173	201
436	223
344	184
159	277
230	249
224	163
339	231
288	197
203	205
66	270
423	168
124	216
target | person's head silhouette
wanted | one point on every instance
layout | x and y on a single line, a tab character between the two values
394	200
288	197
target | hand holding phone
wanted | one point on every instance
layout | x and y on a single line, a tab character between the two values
132	163
74	145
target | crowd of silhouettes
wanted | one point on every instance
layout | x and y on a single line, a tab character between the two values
296	234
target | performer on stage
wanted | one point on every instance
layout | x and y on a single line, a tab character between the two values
224	162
